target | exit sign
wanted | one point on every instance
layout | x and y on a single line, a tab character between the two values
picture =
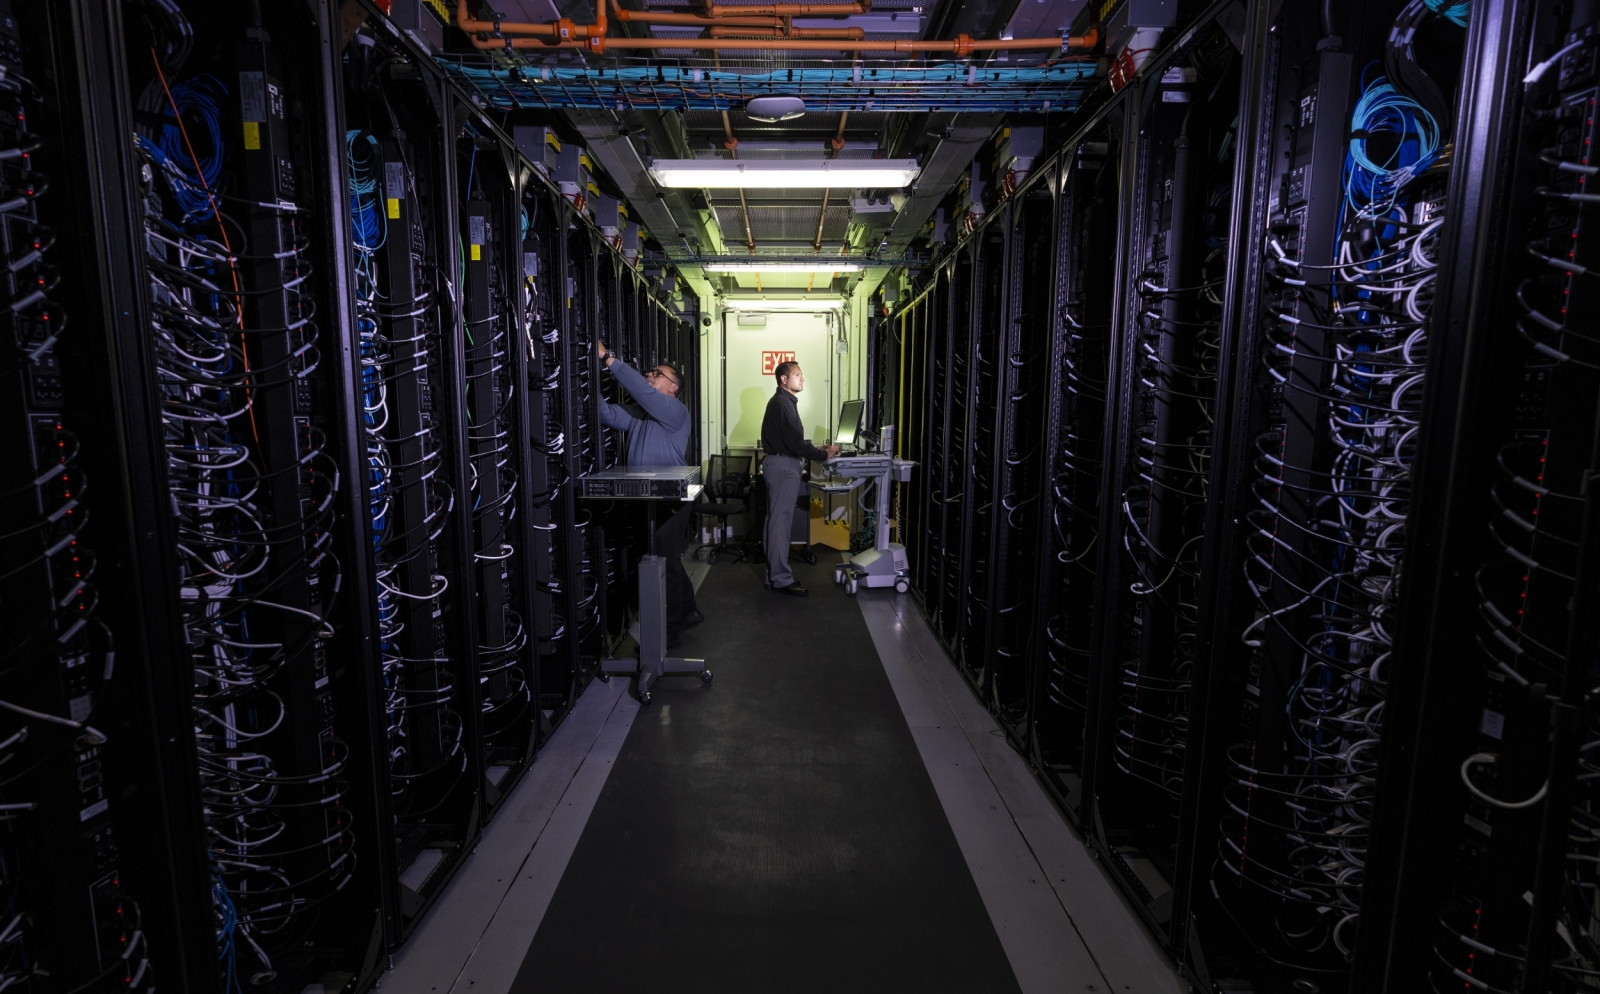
770	361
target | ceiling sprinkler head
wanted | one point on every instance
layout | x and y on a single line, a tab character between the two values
774	109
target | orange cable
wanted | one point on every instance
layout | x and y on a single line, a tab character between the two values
233	267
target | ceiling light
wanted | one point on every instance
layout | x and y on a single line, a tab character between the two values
822	266
818	302
770	174
771	110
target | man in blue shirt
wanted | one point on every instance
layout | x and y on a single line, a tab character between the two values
657	425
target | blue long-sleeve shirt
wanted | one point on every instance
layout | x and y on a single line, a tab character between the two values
657	428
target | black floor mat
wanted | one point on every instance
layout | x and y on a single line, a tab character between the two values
773	832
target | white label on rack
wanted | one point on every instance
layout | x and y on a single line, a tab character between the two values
1493	724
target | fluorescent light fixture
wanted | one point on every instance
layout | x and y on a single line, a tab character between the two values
821	266
754	305
793	174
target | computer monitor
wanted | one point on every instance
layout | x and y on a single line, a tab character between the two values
849	422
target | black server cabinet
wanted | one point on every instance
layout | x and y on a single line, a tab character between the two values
1166	336
557	583
1322	418
496	401
99	815
595	604
247	263
1484	810
1021	353
1072	427
950	450
969	584
400	179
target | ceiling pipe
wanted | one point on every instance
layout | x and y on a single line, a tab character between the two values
843	34
694	20
834	147
732	145
792	9
961	46
564	29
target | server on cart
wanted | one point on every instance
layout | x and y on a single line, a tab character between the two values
783	439
657	425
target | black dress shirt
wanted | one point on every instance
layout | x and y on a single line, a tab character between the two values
781	433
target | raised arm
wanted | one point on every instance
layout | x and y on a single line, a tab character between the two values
615	416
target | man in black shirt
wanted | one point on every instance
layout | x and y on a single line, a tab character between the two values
783	439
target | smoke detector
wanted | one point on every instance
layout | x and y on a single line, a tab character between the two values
774	109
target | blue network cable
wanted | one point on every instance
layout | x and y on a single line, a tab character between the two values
1371	187
1455	12
199	100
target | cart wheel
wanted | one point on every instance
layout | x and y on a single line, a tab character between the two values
810	557
850	586
901	586
644	698
705	676
604	676
838	575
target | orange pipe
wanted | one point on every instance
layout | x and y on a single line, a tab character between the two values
847	34
693	20
563	30
792	9
961	46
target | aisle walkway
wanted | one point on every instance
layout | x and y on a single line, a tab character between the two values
834	813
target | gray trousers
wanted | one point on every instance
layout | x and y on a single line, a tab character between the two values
783	488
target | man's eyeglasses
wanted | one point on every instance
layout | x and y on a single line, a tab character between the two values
664	375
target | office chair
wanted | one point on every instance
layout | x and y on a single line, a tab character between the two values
727	493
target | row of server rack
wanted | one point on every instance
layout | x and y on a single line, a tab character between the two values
300	372
1256	434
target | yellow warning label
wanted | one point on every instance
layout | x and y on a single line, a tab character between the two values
394	208
252	134
477	253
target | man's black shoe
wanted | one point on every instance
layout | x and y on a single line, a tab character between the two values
693	618
793	590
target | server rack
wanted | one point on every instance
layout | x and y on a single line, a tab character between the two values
497	406
1072	433
402	223
1022	357
1166	336
272	379
248	304
1328	375
1481	821
552	524
94	826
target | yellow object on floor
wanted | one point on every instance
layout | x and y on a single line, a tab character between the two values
833	534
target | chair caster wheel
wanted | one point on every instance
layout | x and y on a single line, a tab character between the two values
705	676
644	698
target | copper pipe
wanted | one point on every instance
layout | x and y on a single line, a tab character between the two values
841	34
732	145
822	215
693	20
846	34
961	46
835	147
562	30
792	9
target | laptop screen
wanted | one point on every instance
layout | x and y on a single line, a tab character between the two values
849	422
